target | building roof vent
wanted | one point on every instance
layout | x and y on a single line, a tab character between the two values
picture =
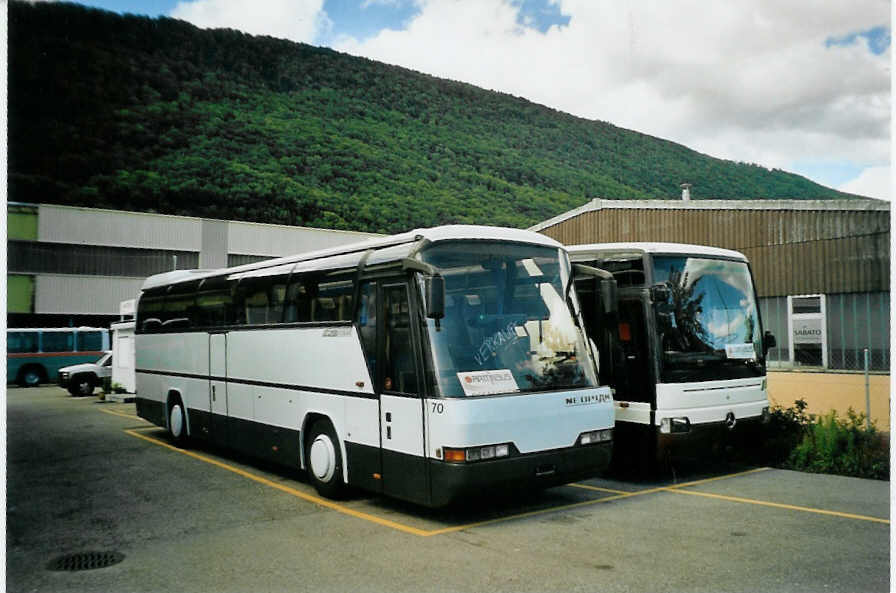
686	192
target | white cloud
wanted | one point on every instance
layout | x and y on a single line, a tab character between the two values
297	20
874	182
748	81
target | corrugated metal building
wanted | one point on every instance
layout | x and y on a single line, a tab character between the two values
73	266
822	267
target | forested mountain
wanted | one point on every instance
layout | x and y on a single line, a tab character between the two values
145	114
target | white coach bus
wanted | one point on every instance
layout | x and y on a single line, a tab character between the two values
425	366
685	353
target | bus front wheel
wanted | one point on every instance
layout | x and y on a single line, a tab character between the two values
324	460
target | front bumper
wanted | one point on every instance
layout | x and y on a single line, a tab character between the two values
454	481
64	379
704	438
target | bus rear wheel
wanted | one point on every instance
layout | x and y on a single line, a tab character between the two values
30	376
324	460
177	423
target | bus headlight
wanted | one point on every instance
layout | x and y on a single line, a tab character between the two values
675	425
596	436
476	453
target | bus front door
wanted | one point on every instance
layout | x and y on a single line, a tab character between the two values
394	370
217	387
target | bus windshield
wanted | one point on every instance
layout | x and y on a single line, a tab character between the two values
708	329
508	326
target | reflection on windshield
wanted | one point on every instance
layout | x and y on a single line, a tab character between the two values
507	325
709	320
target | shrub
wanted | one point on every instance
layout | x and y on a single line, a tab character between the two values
784	431
845	446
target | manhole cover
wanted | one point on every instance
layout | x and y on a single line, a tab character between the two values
85	561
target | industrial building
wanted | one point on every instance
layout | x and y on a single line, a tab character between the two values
70	266
821	267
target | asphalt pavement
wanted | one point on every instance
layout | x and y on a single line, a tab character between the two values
85	476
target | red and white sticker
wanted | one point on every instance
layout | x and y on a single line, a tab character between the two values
488	382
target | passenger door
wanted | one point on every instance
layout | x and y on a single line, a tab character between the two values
394	370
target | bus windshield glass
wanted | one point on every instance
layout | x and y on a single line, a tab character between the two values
508	326
708	328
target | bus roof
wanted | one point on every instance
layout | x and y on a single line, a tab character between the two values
409	239
649	247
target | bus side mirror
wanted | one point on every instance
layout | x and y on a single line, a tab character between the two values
768	341
659	293
434	287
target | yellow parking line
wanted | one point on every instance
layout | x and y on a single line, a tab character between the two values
779	505
599	489
725	477
283	488
129	416
533	513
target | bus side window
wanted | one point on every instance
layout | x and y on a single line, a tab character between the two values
256	306
400	370
89	341
149	312
177	310
333	301
63	341
298	301
212	308
21	342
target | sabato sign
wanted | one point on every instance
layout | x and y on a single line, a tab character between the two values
807	331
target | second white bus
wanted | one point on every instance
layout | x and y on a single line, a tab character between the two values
686	351
426	366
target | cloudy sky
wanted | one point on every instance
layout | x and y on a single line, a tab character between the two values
800	85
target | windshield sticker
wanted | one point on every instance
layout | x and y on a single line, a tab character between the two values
744	351
488	382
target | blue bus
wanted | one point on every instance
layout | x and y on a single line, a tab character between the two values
35	355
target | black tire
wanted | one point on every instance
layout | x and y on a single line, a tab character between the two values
83	384
31	376
323	460
177	422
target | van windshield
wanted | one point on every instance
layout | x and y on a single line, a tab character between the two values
508	326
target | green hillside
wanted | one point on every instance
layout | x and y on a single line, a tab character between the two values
157	115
